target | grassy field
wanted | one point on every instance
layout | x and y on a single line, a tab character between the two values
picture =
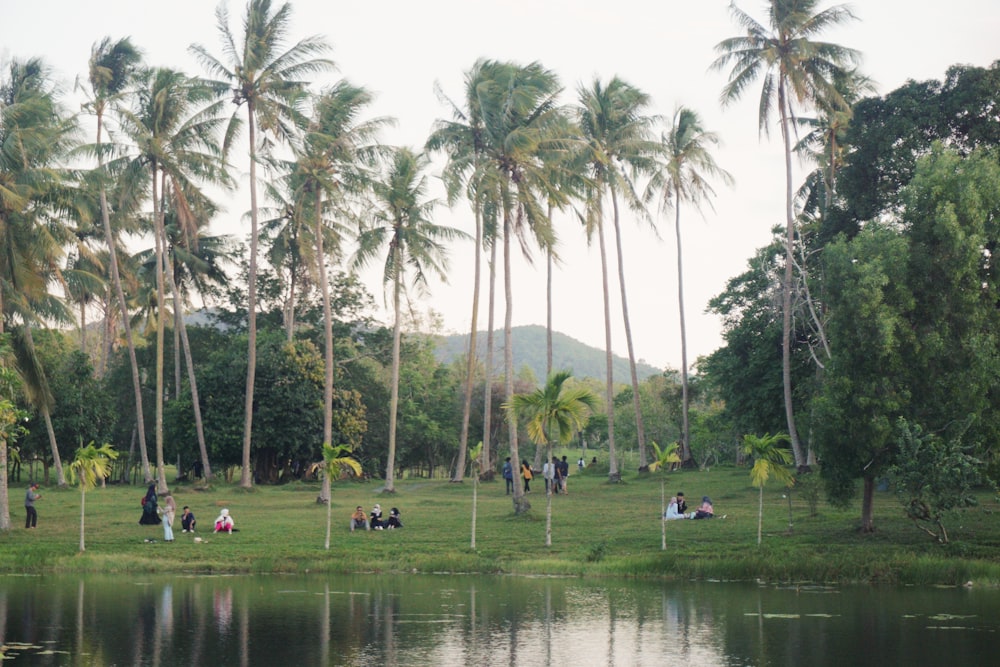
598	529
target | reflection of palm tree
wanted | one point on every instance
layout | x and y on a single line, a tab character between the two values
618	141
268	81
401	219
684	177
796	70
553	412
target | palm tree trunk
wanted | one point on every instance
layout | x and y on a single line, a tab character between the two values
548	306
685	427
786	287
609	387
488	366
47	417
161	475
548	494
640	431
83	505
326	491
4	488
246	478
521	504
463	440
390	467
760	514
109	238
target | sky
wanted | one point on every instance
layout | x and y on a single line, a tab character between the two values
404	51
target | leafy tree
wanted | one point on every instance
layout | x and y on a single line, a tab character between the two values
335	461
932	476
91	465
258	72
11	424
796	70
768	461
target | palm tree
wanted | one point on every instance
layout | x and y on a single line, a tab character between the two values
401	219
684	176
11	424
91	465
257	72
475	459
619	145
551	408
332	169
663	458
110	71
796	70
768	461
335	461
173	126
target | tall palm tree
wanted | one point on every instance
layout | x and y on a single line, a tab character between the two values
684	175
332	167
553	412
768	461
619	145
91	465
260	73
401	220
796	70
173	124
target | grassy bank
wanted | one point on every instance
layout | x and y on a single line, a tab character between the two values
598	530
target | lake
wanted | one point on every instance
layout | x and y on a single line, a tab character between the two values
445	620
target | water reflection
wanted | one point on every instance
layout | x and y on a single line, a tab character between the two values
461	620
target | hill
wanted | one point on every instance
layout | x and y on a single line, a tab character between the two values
529	350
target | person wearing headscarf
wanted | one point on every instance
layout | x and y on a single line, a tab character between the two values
224	522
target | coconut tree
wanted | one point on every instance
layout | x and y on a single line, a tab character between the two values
663	459
619	145
684	175
259	72
768	461
797	70
110	70
335	461
553	412
400	219
91	465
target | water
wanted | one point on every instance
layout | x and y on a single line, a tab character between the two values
442	620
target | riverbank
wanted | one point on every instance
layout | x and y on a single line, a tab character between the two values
598	530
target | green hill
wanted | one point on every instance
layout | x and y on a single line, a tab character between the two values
529	350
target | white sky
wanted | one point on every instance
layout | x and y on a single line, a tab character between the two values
399	49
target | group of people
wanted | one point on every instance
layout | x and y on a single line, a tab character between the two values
374	521
678	509
161	509
555	474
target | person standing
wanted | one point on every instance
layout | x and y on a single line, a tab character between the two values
563	474
31	520
168	509
547	474
526	473
508	475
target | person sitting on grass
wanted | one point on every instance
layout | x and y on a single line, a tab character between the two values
359	519
706	511
393	521
375	518
673	511
187	520
224	522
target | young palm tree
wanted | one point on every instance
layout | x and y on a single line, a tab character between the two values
768	461
260	74
796	70
476	462
684	176
332	168
662	460
619	145
401	220
91	465
335	461
110	71
553	412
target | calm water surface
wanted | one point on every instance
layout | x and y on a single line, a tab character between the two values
444	620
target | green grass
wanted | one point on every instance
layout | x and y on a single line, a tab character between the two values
598	530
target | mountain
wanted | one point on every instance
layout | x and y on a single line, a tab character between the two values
529	350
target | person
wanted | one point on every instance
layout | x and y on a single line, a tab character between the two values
563	474
375	518
579	464
359	519
682	506
548	470
393	521
526	473
508	476
150	517
224	523
706	511
168	509
187	520
672	510
31	520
